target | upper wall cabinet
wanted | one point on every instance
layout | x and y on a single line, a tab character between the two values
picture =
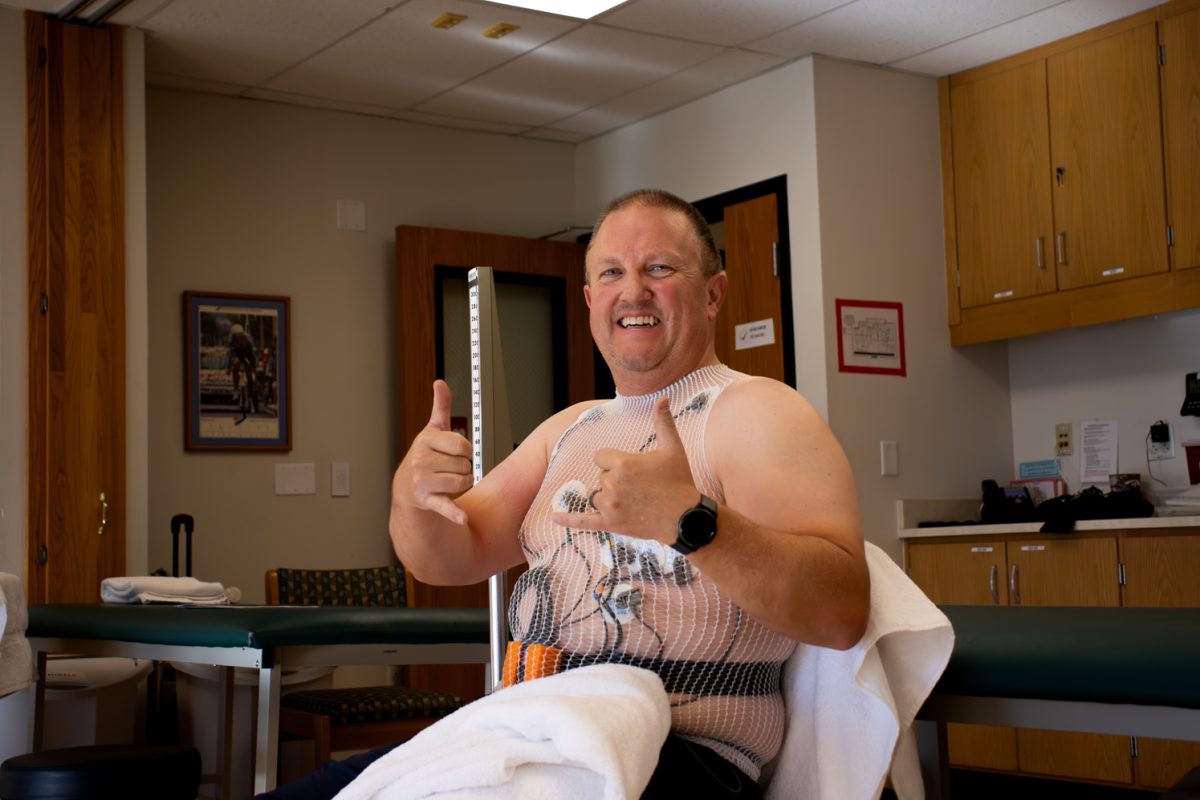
1106	148
1002	185
1072	180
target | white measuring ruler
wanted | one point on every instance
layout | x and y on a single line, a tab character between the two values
491	434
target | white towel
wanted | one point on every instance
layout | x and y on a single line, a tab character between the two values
161	589
850	713
16	656
592	733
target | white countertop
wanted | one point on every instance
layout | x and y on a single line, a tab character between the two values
911	512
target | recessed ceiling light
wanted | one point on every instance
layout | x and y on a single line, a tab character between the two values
500	30
448	20
581	9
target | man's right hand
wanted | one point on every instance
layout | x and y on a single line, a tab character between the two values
438	465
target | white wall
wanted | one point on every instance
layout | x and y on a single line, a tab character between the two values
881	239
242	198
1131	372
12	292
738	136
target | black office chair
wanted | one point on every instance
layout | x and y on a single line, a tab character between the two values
352	718
131	772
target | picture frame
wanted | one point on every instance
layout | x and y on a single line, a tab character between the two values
870	337
237	371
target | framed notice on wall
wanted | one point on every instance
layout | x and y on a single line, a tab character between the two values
870	337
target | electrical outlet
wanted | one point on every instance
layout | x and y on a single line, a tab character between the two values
1161	442
1063	434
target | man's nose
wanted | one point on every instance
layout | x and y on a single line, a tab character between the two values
635	287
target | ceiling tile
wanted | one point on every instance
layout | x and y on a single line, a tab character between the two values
724	70
454	122
715	21
882	31
402	59
1022	34
235	41
317	102
136	13
556	135
41	6
561	78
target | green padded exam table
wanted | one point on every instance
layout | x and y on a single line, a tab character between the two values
1127	671
265	638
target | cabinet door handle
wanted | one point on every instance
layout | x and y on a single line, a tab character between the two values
1060	249
103	514
1037	252
992	584
1014	595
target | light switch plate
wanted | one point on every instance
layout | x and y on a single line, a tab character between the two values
889	459
339	479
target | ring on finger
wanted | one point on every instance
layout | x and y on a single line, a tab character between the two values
592	499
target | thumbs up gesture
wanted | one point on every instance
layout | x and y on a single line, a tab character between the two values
640	494
438	465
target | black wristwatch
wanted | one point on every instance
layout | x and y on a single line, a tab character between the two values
697	526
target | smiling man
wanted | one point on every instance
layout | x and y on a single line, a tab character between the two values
698	525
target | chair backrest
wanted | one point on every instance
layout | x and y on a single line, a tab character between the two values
367	586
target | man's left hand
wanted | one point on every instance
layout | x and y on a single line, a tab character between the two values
640	494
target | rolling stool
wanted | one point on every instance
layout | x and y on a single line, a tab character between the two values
131	772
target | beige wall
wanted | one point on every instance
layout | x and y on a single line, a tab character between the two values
242	198
12	292
881	239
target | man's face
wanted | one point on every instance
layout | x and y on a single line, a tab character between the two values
651	308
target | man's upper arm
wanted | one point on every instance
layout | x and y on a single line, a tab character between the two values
780	465
497	505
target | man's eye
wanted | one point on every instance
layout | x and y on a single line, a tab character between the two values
610	273
660	269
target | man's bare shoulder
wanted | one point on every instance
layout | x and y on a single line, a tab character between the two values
551	430
757	402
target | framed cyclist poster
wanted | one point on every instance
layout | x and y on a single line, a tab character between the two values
237	389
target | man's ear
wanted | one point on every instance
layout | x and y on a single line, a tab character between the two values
587	295
718	287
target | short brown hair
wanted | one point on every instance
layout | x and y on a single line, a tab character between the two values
710	259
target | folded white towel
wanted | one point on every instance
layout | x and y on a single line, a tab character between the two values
15	616
850	713
161	589
592	733
16	656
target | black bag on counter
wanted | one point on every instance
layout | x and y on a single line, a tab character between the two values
1000	505
1061	513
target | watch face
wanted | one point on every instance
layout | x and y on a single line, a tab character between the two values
697	526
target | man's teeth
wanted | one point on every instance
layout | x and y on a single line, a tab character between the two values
638	322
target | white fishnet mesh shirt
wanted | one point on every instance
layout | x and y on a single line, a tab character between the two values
603	597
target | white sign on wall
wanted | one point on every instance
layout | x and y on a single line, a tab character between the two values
754	334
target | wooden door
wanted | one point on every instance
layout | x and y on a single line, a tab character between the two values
1181	118
1001	146
1161	572
751	238
420	252
1106	153
967	573
76	448
1068	572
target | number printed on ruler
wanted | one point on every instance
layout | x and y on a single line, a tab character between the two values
476	383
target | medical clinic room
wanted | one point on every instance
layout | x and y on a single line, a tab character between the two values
600	399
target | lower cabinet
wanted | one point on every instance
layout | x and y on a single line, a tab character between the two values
1155	567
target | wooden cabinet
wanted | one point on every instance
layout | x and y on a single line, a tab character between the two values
1060	181
1179	34
1002	185
1110	568
1106	148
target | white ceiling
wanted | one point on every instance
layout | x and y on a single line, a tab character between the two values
556	77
